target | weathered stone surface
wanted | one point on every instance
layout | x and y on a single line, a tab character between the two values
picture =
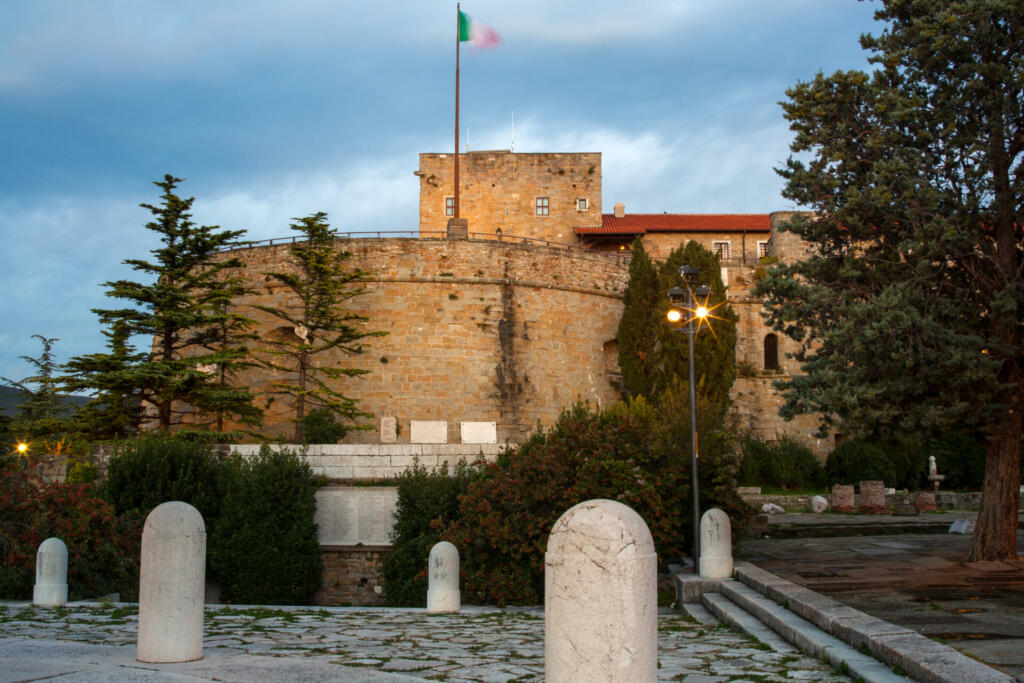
443	579
715	545
51	588
872	498
172	584
353	515
925	502
600	578
428	431
479	432
388	429
819	504
843	499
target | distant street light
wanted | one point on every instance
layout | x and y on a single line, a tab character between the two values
692	314
22	448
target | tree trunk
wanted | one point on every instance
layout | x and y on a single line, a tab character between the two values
300	400
995	535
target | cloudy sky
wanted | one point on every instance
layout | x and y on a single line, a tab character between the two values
272	110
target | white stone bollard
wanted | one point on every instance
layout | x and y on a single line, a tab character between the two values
600	596
443	582
51	589
715	545
819	504
172	585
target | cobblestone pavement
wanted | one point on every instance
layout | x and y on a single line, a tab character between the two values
477	644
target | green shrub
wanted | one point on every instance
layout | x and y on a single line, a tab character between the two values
619	454
428	500
785	463
264	549
855	460
320	426
157	468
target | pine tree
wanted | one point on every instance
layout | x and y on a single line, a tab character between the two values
41	415
319	327
181	310
910	308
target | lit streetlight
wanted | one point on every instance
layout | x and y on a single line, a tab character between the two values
22	448
690	308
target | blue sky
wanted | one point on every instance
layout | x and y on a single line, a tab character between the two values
272	110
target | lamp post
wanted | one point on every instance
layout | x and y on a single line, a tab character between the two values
697	312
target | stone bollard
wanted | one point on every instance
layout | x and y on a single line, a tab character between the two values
443	583
172	584
51	589
600	596
715	545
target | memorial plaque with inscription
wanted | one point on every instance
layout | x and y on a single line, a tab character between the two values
355	515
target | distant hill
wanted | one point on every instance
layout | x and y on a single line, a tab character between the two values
11	398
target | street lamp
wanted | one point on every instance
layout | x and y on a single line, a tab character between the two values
691	313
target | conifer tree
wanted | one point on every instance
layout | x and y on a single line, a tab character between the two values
318	327
179	311
653	356
909	309
637	338
42	414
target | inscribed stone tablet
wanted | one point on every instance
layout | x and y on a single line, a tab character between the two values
428	431
350	515
479	432
389	429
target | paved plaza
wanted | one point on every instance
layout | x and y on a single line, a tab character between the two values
95	642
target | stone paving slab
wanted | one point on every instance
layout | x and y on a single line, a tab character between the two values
87	642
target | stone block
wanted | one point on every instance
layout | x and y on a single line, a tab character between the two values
715	545
925	502
51	587
819	504
351	515
172	585
479	432
443	579
388	429
428	431
600	597
872	498
843	499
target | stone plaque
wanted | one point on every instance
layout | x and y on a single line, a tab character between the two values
351	515
872	498
479	432
428	431
842	498
389	429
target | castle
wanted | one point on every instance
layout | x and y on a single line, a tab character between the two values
515	318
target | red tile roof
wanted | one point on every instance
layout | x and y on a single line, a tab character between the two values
640	223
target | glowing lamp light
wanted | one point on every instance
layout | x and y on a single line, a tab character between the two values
22	448
674	315
701	311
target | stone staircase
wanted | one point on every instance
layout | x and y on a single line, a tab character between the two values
784	616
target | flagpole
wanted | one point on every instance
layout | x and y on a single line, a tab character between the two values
458	9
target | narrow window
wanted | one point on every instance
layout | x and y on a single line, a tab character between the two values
771	351
449	206
721	250
543	206
581	204
762	248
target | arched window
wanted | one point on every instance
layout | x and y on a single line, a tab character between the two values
771	351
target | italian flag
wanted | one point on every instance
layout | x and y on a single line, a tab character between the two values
477	33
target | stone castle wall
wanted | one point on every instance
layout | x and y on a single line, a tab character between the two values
477	330
499	189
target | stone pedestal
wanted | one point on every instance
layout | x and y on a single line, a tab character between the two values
715	545
843	499
443	579
51	588
872	498
458	228
925	502
600	598
172	584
